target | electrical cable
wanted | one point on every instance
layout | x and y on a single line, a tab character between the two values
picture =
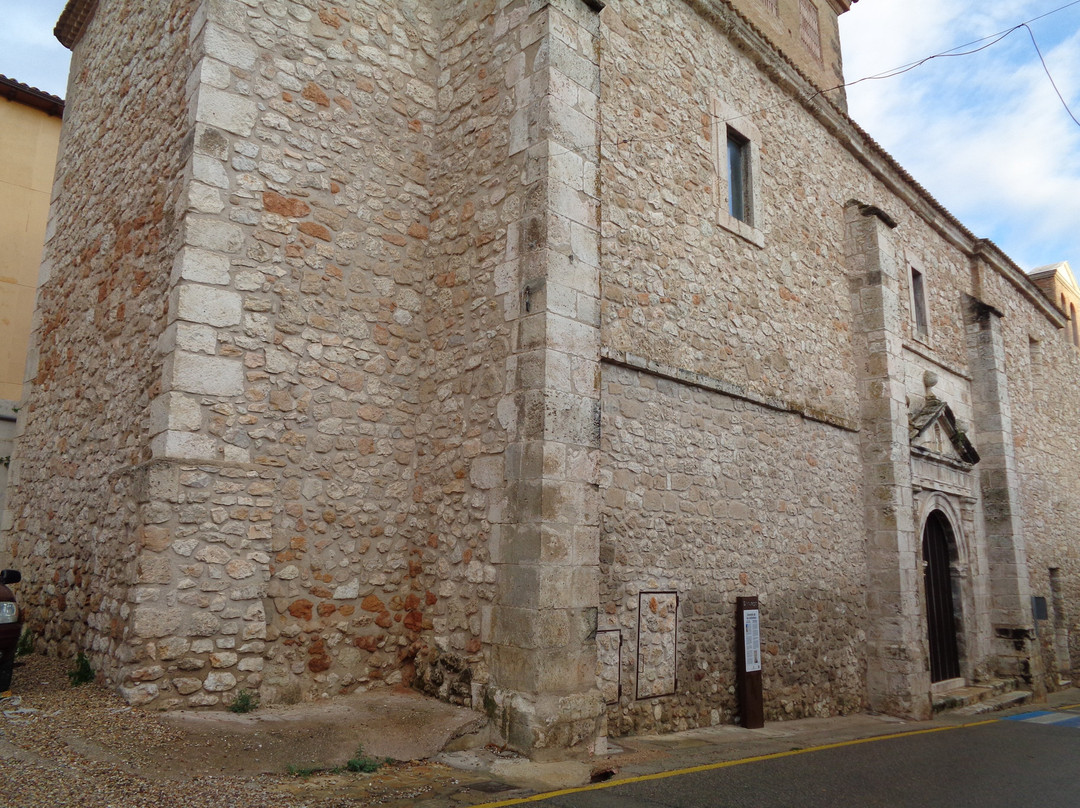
997	37
1047	71
898	71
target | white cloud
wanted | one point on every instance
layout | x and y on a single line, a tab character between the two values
984	133
28	50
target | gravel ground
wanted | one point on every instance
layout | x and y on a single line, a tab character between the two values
83	746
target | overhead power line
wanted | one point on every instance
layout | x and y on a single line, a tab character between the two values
965	49
1053	84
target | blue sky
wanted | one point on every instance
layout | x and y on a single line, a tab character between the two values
985	133
28	50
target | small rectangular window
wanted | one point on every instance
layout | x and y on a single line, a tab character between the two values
738	149
918	302
772	5
736	154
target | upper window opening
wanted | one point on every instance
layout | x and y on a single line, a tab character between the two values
1075	326
918	302
736	145
772	5
810	27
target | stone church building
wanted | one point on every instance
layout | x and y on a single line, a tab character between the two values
494	347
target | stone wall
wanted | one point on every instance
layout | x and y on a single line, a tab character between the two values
77	505
731	460
342	366
300	546
713	497
787	313
1044	373
679	288
432	357
475	200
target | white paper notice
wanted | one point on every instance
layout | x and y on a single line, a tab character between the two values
752	639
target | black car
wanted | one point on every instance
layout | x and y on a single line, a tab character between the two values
10	628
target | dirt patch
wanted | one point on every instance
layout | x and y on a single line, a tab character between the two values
63	745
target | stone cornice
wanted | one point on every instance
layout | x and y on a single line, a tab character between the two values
1006	267
614	356
73	21
747	37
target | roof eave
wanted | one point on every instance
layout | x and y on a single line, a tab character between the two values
31	97
73	22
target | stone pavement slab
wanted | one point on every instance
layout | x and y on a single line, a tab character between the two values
398	724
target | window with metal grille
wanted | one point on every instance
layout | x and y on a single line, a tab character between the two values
810	28
772	5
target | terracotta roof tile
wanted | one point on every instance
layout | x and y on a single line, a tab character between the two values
73	21
31	96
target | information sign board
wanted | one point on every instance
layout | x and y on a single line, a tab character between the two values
752	639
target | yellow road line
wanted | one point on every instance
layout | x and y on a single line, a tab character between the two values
644	778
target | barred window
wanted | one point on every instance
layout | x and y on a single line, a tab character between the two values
810	27
772	5
918	303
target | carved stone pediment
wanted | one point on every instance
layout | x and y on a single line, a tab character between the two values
933	433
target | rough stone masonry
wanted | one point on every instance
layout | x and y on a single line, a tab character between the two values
413	343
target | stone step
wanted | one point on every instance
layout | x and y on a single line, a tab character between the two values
969	696
994	703
1013	698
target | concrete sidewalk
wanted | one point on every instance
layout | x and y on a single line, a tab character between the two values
82	746
490	778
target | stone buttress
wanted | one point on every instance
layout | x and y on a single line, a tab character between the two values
898	680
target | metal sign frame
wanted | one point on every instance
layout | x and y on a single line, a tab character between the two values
637	648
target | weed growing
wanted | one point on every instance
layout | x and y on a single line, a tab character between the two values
26	643
245	702
360	763
83	673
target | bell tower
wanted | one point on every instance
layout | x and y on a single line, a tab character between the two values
808	33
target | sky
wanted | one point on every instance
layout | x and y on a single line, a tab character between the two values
985	133
28	50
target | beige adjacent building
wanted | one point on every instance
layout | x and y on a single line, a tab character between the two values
29	135
496	347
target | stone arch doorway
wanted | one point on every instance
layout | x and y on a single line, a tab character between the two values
939	552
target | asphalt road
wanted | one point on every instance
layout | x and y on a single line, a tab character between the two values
1006	763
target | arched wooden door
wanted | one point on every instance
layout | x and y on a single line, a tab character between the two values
938	549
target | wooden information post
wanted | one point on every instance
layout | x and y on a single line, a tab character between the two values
748	662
